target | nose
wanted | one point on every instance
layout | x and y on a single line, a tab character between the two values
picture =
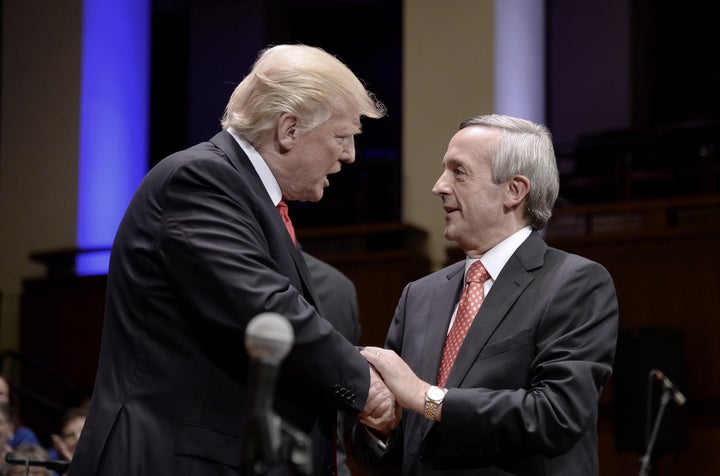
440	187
348	153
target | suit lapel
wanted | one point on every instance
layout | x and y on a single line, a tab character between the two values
444	297
240	161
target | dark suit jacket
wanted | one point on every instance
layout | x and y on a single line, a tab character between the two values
337	302
524	390
200	251
336	297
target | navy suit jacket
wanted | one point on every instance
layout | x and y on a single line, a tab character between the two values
200	251
524	390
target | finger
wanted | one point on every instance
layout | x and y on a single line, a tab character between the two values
381	408
381	403
371	406
373	423
372	353
378	396
385	419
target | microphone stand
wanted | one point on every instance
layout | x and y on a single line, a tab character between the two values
60	467
295	450
645	460
269	441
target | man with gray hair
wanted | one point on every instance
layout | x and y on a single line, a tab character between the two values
498	360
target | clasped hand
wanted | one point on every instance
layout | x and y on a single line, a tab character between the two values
393	385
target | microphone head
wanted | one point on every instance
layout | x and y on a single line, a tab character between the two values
269	337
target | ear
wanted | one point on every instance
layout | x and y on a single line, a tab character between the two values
518	188
286	130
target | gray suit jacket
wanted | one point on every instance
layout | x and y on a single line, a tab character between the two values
200	251
524	390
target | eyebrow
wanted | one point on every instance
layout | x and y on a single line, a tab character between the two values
452	161
342	132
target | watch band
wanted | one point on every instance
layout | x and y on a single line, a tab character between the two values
434	397
430	409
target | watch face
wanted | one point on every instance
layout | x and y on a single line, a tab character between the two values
435	393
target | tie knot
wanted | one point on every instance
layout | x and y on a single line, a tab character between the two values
476	273
282	207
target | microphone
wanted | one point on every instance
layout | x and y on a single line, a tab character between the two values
268	339
677	395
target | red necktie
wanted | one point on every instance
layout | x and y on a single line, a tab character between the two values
470	301
283	209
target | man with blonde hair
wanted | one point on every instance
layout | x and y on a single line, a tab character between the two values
201	250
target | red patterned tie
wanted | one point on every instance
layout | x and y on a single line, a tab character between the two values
283	209
470	301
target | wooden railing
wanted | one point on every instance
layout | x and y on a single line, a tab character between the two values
636	218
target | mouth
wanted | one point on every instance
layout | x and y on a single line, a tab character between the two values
326	180
449	210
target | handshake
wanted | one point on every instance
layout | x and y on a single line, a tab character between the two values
393	386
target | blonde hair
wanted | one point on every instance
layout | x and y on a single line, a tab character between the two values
301	80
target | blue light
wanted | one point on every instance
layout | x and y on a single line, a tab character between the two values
114	116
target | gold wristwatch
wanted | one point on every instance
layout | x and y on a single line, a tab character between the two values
434	397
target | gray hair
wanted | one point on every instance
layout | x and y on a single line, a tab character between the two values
524	148
301	80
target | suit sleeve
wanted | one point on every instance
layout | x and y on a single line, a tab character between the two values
225	257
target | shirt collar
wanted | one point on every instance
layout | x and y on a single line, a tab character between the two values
261	167
495	258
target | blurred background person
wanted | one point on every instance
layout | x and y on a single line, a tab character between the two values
21	434
71	426
6	431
